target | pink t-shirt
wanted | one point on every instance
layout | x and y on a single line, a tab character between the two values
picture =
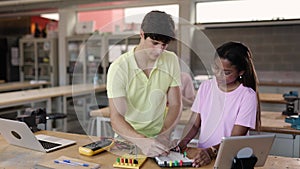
220	111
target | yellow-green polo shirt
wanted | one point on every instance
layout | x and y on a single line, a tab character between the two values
146	97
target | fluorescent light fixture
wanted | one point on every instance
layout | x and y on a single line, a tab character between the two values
52	16
136	15
24	2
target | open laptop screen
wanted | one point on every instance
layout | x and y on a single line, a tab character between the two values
19	134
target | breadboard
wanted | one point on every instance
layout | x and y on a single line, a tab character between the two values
174	159
130	161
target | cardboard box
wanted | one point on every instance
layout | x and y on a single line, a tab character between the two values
85	27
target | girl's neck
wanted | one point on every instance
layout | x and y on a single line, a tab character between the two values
229	87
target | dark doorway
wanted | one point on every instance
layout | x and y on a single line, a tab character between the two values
3	57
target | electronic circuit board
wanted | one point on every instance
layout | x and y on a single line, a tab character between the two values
174	159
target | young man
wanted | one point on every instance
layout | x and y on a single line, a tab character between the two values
143	88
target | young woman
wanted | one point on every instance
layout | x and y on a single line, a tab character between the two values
226	105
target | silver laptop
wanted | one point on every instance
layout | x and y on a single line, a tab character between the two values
19	134
244	146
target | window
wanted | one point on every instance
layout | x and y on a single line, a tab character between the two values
120	20
104	20
246	10
135	15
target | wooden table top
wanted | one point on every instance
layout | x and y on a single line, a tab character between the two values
271	98
275	122
103	112
10	86
47	93
281	84
14	157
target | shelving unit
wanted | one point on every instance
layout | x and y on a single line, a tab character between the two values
84	53
118	44
89	56
38	59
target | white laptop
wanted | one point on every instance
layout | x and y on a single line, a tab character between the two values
19	134
244	147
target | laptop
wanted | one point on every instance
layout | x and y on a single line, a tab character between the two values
244	147
19	134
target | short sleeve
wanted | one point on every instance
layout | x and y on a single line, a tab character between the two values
175	71
248	108
116	81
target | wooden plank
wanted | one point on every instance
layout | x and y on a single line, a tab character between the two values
272	98
11	86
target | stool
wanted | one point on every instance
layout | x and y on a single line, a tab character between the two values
103	128
102	119
52	117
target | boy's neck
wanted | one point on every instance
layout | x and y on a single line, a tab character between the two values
142	59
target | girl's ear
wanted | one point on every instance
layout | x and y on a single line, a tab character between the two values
241	73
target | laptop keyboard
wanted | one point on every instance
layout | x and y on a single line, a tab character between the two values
48	145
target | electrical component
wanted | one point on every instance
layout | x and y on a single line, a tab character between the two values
130	161
96	147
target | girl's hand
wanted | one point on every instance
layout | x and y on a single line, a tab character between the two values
201	158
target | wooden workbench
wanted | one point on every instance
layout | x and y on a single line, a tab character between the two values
13	86
19	98
275	122
280	84
27	96
271	98
12	157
